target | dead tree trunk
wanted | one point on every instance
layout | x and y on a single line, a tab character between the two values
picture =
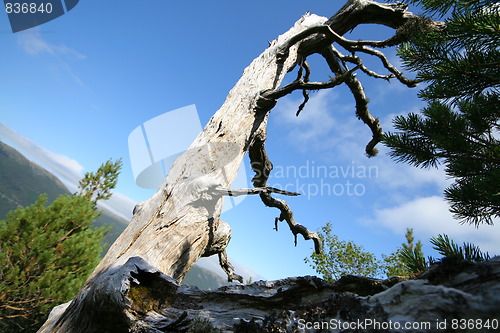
181	223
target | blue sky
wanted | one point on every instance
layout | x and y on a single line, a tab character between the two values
73	89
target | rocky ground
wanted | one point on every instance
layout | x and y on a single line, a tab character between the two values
452	296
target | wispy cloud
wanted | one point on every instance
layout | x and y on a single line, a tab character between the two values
329	127
405	177
409	197
323	126
314	121
34	44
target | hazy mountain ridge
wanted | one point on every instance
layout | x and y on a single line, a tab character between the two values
204	278
22	181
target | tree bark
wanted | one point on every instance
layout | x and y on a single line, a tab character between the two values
447	292
180	223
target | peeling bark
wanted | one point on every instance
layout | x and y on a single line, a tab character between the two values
181	222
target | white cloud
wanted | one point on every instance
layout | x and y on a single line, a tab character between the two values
407	196
313	123
327	126
330	128
402	176
430	216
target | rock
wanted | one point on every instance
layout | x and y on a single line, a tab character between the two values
451	296
365	286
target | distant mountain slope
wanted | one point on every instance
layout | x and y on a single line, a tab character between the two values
22	181
117	223
204	279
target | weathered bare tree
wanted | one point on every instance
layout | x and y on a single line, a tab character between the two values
181	223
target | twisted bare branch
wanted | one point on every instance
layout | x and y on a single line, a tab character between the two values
299	84
360	46
305	93
262	167
228	268
255	190
357	90
319	39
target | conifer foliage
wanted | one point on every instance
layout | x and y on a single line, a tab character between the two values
460	126
48	251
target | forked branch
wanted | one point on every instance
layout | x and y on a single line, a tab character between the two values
300	84
330	36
